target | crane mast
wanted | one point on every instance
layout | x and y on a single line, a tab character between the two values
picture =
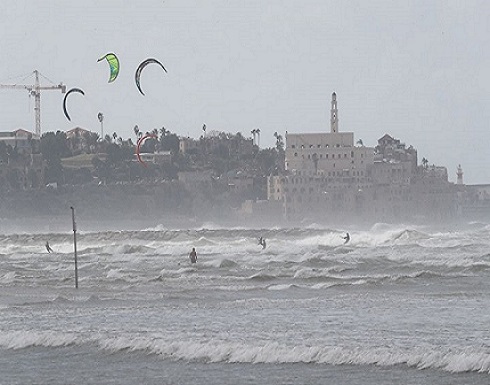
35	91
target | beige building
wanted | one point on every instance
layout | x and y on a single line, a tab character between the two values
327	174
330	154
25	169
158	158
328	177
21	139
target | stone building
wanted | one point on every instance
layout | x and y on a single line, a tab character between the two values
330	178
327	175
21	164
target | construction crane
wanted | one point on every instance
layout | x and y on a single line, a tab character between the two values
35	90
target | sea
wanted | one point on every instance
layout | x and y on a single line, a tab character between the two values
397	304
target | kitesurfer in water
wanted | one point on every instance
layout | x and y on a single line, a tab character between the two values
262	242
48	248
193	255
347	238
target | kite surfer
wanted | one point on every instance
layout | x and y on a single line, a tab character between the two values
347	238
262	243
193	255
48	248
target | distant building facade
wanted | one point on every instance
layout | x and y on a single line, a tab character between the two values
21	165
330	178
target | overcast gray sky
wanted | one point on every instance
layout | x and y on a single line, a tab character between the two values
417	70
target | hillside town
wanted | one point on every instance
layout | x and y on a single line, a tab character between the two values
316	177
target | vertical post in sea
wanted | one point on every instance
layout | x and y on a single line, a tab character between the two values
75	244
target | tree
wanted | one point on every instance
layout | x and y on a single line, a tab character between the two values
253	132
279	142
4	152
91	139
170	142
163	132
53	148
266	161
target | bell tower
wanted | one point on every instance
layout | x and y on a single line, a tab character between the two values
334	117
460	175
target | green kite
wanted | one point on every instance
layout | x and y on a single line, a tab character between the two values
113	65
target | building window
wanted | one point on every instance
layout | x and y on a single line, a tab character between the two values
293	146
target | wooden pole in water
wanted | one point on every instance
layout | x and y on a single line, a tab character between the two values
75	244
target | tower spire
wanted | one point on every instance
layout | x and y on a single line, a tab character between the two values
334	117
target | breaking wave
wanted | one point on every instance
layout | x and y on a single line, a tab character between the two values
447	359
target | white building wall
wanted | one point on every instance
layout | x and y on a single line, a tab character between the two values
329	154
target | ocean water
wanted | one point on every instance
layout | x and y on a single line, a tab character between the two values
396	305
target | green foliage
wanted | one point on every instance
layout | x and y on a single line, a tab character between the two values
266	161
170	142
13	177
117	155
53	148
4	152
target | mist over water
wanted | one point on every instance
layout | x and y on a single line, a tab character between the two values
396	298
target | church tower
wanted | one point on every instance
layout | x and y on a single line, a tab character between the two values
460	175
334	117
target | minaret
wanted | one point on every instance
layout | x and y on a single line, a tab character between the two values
334	120
460	175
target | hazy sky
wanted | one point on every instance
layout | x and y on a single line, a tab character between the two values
417	70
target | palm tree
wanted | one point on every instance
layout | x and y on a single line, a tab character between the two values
425	162
258	136
254	132
360	143
164	132
136	131
279	142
